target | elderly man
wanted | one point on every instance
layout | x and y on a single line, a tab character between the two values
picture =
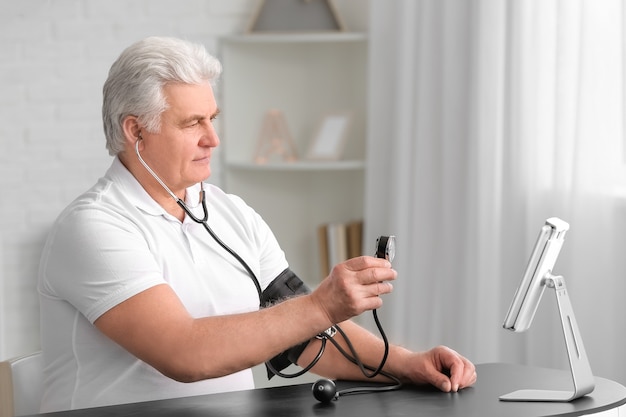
150	282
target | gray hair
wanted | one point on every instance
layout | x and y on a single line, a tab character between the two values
136	80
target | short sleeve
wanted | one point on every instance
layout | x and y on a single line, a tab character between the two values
95	259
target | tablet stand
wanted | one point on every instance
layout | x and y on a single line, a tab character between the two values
579	364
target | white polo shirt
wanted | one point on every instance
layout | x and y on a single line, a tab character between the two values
115	241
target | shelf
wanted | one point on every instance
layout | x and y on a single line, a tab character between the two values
294	37
306	76
300	166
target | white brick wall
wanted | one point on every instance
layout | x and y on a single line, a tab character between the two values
54	57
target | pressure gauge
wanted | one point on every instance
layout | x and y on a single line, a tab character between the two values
386	247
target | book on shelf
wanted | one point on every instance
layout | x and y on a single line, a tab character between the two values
339	241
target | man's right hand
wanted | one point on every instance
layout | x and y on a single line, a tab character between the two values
353	287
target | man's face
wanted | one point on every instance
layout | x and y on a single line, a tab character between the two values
181	152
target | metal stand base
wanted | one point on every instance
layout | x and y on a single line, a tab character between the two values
582	376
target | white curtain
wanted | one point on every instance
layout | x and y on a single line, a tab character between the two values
487	117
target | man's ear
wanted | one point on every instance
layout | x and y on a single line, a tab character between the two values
132	130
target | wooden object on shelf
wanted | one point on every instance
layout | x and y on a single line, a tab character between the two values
296	16
275	139
337	242
322	242
354	230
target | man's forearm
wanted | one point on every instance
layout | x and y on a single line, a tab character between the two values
368	346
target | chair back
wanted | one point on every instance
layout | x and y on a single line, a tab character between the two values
21	385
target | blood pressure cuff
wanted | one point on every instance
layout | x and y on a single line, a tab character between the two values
285	285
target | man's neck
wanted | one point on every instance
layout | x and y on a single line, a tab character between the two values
152	186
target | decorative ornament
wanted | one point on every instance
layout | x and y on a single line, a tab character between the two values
275	140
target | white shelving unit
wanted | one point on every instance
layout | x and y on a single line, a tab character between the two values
305	76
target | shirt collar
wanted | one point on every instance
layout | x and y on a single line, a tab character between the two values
139	197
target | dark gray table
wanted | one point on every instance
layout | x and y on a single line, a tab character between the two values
480	400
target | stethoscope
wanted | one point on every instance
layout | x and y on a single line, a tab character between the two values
324	390
202	220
